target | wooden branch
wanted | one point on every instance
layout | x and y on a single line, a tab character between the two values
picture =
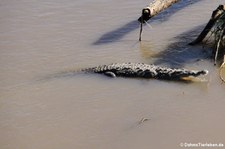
215	15
219	50
154	8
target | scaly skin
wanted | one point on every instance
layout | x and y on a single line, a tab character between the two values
141	70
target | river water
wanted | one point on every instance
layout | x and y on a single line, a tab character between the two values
40	39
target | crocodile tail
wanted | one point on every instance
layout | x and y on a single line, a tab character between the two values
89	70
98	69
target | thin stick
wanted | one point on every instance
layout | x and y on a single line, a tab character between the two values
148	24
217	51
222	67
218	46
141	25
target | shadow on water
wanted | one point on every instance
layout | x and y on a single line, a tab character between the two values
119	33
179	53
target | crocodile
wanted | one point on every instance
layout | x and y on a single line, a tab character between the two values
142	70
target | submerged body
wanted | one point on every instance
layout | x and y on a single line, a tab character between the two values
141	70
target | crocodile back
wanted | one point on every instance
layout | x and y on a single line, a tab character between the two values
142	70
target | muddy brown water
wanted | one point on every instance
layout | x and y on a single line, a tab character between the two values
43	38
